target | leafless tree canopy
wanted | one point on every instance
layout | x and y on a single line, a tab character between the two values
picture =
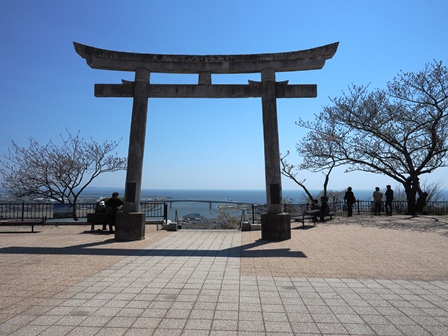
291	172
55	172
400	131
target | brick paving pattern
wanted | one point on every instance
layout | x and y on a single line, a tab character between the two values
363	275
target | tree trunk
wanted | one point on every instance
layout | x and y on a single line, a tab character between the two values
412	210
411	190
327	179
326	184
307	192
74	214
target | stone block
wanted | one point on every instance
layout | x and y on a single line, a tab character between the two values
130	226
171	226
276	227
245	226
255	227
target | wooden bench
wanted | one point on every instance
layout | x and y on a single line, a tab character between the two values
97	218
24	222
307	214
312	215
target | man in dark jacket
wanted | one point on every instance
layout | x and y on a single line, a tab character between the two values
389	198
349	197
324	208
113	204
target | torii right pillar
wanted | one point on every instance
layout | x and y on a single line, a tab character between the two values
275	225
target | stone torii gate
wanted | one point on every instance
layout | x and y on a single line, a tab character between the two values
275	224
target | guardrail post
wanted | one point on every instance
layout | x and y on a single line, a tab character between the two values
253	213
165	212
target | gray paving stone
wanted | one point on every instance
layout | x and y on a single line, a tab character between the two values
302	328
386	329
277	327
349	318
96	321
225	325
202	324
63	330
251	326
331	328
358	329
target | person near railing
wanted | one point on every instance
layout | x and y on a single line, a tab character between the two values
421	201
389	199
349	197
377	200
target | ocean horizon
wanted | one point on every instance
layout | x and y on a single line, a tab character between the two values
255	196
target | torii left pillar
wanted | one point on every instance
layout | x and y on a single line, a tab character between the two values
130	224
275	225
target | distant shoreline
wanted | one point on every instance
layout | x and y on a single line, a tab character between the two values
254	196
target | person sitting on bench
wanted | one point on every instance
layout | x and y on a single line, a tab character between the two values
114	204
324	208
315	206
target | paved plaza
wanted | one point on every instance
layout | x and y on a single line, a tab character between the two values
364	275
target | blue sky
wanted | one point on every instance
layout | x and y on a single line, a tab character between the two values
202	143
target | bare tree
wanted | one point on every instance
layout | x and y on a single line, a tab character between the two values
290	171
59	173
314	150
400	132
319	141
434	189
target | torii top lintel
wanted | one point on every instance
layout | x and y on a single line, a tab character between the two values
310	59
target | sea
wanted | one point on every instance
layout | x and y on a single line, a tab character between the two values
241	196
296	196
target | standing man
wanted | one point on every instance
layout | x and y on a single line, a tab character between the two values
389	198
114	204
377	200
349	197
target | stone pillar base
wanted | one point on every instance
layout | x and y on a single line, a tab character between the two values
130	226
276	227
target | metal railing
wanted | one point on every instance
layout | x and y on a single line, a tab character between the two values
361	207
160	209
155	210
398	207
25	210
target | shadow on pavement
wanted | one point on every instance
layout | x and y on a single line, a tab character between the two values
244	251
